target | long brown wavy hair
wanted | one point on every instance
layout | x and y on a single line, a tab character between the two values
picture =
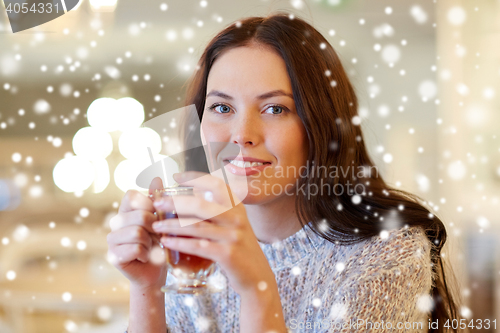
326	103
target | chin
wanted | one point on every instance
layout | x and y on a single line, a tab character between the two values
251	200
258	199
255	195
246	197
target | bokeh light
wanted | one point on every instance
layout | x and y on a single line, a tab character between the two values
134	143
73	174
102	114
92	143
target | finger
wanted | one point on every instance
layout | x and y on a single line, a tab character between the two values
130	235
198	247
141	218
205	182
133	200
188	206
202	229
156	184
183	222
124	254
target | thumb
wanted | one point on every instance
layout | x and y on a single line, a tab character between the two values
156	184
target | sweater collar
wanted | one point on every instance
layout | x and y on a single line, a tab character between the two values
289	251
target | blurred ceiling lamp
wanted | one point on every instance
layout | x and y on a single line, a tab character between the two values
103	5
73	173
130	113
101	114
132	143
101	175
123	172
127	171
92	143
109	114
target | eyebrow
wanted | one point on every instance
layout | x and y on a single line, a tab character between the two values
269	94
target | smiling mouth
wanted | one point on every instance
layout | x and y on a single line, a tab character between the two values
246	164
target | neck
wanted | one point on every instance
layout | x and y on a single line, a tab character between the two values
275	220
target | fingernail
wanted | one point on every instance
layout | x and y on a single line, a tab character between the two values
156	225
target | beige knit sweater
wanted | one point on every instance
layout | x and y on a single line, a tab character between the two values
379	285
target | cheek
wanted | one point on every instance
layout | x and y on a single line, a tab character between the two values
213	132
290	146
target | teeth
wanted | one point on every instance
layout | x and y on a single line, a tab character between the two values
240	164
243	164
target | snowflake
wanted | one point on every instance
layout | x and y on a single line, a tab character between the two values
338	311
202	323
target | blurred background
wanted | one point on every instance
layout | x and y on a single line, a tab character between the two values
427	74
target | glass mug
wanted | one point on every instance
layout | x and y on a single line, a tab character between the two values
191	272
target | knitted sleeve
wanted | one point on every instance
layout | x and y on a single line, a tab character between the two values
387	287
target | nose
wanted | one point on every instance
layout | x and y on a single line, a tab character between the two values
246	130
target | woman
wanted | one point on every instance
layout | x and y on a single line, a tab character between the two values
338	251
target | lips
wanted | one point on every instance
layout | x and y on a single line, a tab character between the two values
245	166
245	158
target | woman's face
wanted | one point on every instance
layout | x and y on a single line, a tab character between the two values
249	103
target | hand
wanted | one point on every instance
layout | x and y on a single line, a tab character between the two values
226	238
130	241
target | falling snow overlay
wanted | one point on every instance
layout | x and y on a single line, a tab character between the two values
427	77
